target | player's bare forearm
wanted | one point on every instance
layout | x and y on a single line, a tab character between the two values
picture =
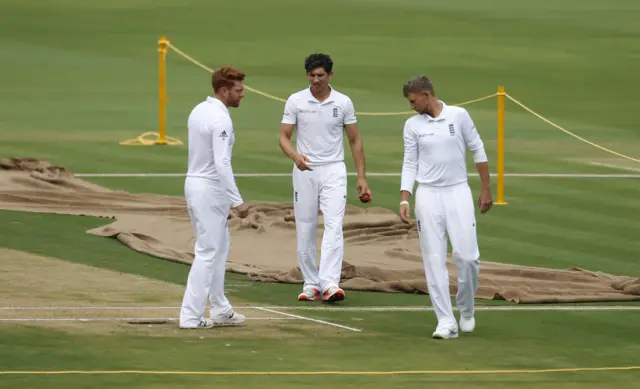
287	147
483	171
357	150
286	131
485	200
404	195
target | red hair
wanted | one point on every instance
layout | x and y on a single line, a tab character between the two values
225	77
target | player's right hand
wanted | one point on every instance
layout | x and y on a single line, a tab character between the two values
301	162
405	213
242	210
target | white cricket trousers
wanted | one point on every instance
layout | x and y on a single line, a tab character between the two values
442	212
208	207
324	188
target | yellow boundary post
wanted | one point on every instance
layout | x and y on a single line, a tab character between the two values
161	137
163	47
500	166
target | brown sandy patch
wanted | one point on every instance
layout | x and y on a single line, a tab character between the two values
381	253
63	290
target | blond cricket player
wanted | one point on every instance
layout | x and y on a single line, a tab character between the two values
435	144
320	116
210	192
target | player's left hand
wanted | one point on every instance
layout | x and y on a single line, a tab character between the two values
485	201
364	193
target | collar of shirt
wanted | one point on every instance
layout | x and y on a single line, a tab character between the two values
218	103
442	116
329	99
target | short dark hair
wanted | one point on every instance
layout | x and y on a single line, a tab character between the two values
225	77
418	84
318	60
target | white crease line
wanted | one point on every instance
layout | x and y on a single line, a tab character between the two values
363	309
543	175
631	169
309	319
87	319
82	308
477	308
122	318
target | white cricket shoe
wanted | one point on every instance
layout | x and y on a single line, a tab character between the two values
229	320
445	333
467	325
333	294
310	294
204	323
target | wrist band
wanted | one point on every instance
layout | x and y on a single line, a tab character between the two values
404	202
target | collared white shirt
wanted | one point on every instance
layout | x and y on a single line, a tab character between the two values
211	138
435	148
319	125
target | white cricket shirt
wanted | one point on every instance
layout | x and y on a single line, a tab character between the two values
211	138
435	148
319	125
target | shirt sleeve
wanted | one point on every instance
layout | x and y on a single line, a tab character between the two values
472	139
410	160
289	115
222	131
349	113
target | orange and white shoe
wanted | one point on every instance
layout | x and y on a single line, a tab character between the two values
333	294
310	294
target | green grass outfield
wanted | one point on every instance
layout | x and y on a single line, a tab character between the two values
80	76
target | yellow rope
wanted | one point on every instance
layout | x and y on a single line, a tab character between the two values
315	373
567	131
141	140
188	57
267	95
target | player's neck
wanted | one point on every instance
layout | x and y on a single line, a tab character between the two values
219	97
322	94
435	108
